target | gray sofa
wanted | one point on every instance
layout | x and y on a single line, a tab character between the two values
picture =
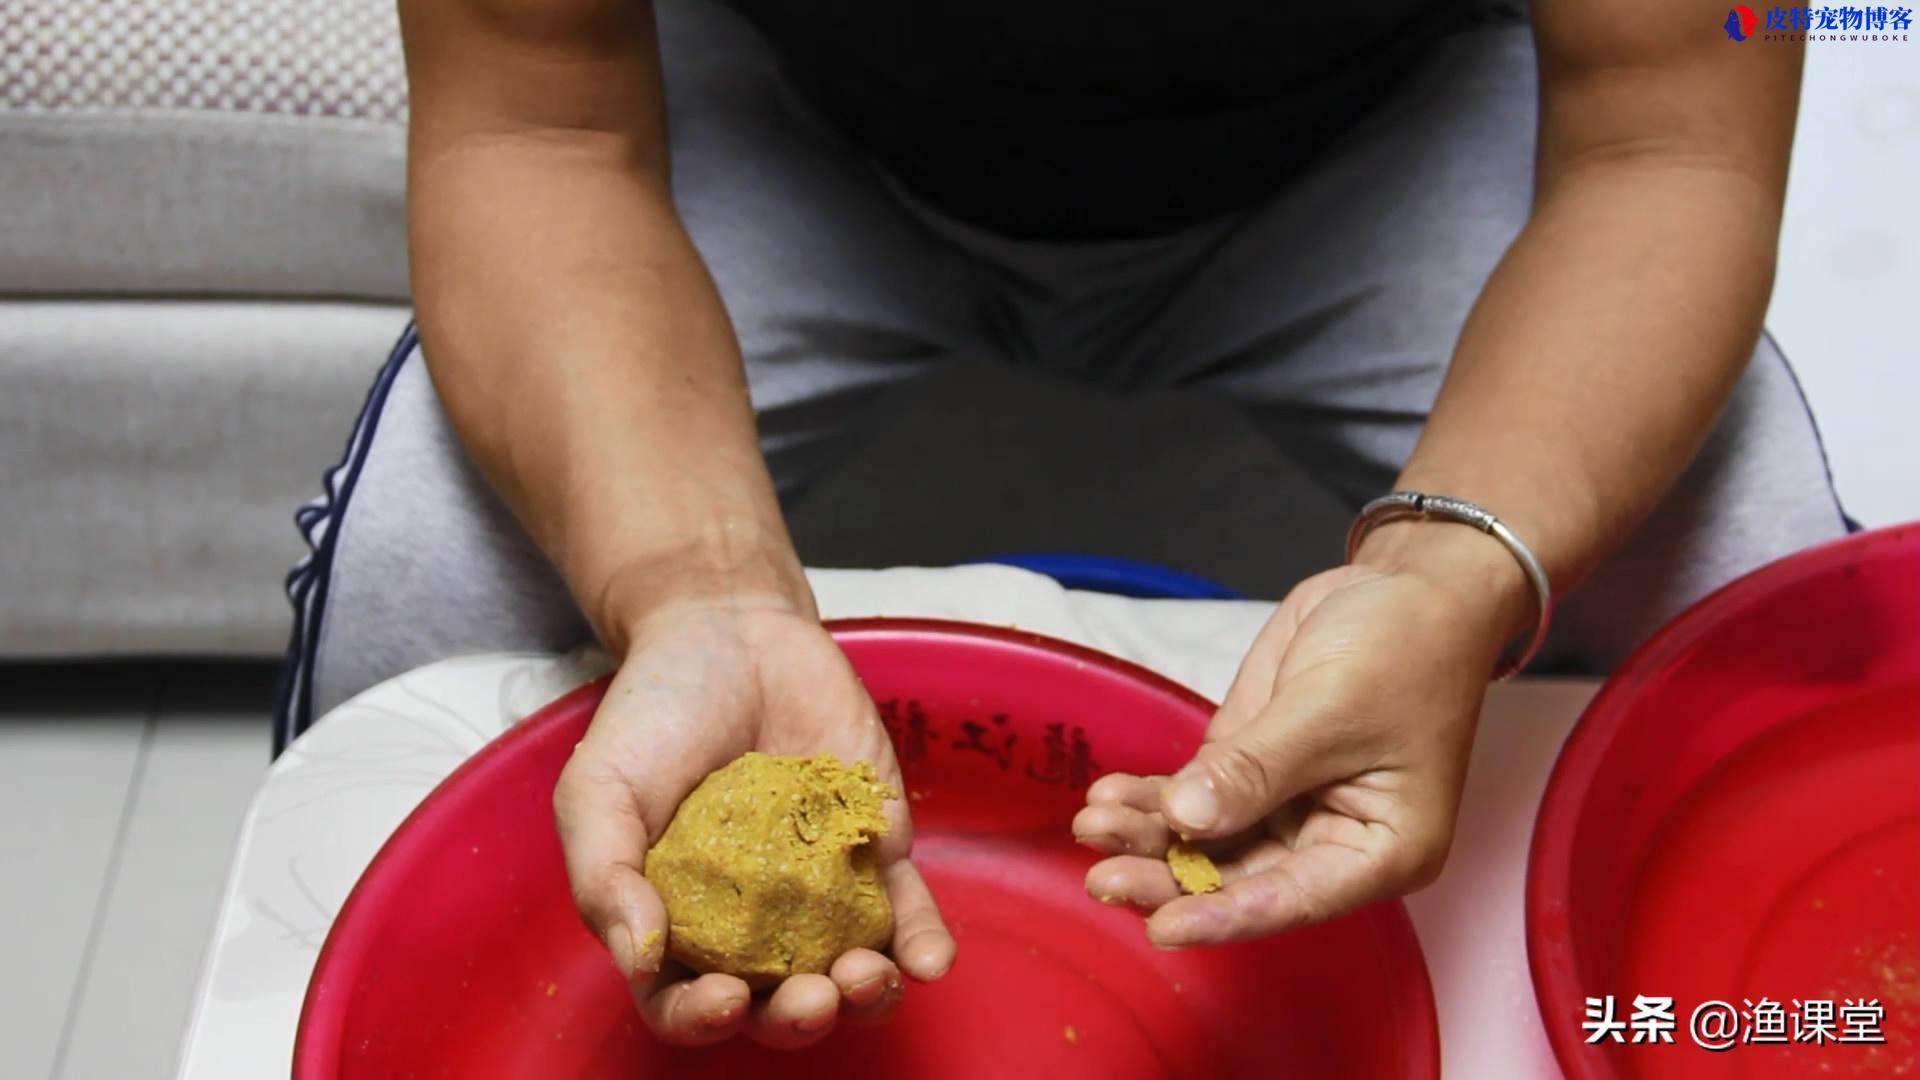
202	262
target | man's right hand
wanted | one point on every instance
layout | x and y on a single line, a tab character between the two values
587	363
704	681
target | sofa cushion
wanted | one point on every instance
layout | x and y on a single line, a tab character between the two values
152	453
168	146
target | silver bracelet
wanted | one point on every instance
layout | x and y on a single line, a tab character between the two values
1405	504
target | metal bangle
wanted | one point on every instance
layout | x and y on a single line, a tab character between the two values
1405	504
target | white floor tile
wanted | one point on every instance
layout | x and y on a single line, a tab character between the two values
70	745
207	757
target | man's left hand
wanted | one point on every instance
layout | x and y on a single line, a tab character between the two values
1330	777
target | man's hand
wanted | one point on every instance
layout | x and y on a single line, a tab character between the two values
703	682
1331	776
587	362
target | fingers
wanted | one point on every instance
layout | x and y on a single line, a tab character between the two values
1312	884
699	1012
1299	741
604	838
800	1011
863	988
1149	883
1114	829
1123	815
1121	789
870	987
922	945
1132	879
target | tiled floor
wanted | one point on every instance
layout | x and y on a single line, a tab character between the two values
122	786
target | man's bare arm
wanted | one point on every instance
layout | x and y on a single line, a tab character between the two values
570	327
1612	333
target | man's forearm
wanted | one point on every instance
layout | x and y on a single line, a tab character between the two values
1601	352
586	360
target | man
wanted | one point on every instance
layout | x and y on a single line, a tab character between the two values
1418	265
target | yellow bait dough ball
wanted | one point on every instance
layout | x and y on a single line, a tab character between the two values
768	868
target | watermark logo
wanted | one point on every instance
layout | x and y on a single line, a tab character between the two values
1719	1026
1740	22
1807	23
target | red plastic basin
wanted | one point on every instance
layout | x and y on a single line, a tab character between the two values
1736	819
459	954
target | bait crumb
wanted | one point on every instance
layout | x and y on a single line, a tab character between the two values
552	989
1072	1035
1192	869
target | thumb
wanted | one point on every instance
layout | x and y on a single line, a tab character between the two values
604	838
1236	779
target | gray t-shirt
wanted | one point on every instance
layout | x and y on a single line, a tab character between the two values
1078	119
